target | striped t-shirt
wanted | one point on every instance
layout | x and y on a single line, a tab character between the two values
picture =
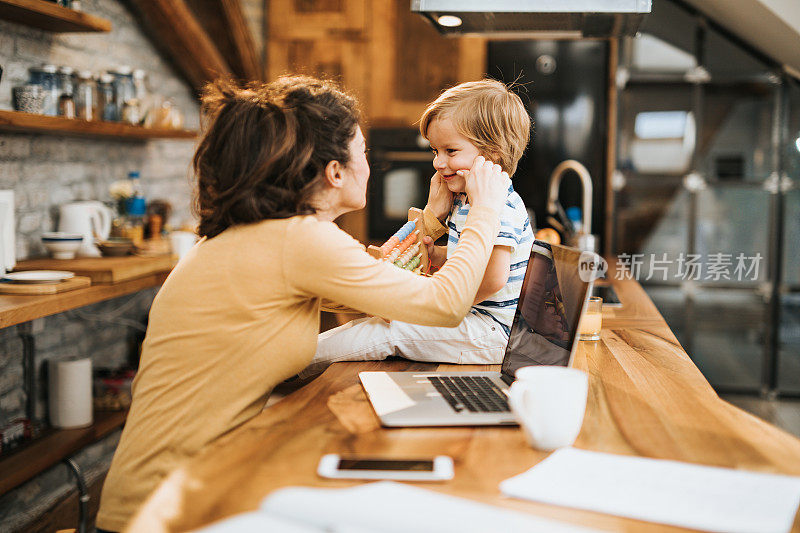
516	233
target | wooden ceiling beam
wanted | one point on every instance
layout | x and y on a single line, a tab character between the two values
225	23
175	29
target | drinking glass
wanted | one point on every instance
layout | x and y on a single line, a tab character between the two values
592	320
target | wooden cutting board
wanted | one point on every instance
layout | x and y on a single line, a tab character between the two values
78	282
104	269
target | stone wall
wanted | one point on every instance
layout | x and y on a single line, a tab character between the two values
101	331
46	171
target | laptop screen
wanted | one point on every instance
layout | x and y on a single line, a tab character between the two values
545	327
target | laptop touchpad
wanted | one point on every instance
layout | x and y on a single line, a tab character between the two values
386	395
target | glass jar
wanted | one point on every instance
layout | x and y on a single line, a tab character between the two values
130	112
86	107
45	76
106	102
66	90
154	116
141	93
65	83
124	89
165	115
29	98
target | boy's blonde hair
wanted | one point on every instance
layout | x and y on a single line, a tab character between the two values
487	113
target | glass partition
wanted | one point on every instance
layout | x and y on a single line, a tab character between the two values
789	330
735	144
650	203
732	234
728	331
698	121
727	61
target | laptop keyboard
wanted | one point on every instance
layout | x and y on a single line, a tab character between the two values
476	394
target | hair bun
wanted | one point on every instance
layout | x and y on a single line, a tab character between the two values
265	147
298	96
218	93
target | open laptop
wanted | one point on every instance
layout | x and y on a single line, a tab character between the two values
558	282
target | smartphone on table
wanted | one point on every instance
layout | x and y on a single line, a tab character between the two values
608	294
335	466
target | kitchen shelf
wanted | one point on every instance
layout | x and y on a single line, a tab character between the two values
51	17
54	445
15	121
16	309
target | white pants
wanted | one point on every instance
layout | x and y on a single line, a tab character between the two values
478	340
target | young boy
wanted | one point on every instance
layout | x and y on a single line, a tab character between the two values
468	122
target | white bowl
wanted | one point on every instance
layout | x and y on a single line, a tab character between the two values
62	245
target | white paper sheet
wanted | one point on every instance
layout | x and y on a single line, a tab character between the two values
391	507
257	522
667	492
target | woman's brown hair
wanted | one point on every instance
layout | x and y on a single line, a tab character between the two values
265	148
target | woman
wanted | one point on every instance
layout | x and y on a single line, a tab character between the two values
240	313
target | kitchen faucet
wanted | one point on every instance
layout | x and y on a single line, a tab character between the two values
584	238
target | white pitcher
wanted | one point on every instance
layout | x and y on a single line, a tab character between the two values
90	218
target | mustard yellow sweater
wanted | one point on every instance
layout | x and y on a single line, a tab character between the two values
240	313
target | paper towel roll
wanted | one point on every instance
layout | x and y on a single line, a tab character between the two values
7	232
71	393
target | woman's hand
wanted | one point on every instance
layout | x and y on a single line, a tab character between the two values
487	184
440	199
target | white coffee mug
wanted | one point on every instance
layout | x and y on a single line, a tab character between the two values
549	403
182	242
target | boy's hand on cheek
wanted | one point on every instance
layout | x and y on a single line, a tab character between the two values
434	253
440	199
428	242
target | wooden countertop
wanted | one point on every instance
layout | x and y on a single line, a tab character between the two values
646	398
125	275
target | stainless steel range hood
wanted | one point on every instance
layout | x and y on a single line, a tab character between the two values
548	19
